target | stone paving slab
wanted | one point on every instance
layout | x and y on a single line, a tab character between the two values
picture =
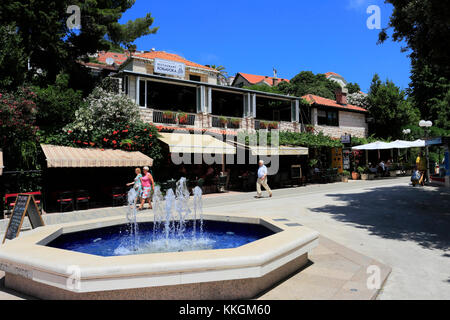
335	273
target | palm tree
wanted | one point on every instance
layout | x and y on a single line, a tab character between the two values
222	76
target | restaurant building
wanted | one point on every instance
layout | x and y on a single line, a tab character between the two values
173	91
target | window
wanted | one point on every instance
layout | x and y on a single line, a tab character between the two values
194	78
142	93
125	85
327	118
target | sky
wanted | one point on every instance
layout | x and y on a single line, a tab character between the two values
254	36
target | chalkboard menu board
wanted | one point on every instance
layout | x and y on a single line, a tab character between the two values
25	205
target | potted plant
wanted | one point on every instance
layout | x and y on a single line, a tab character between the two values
363	173
168	115
182	118
370	174
309	128
393	170
235	122
355	175
345	175
263	124
273	125
223	121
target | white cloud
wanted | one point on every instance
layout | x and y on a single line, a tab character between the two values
358	4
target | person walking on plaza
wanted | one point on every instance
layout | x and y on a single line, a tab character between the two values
137	185
421	164
147	186
262	180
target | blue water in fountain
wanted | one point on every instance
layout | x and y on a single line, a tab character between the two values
118	240
175	228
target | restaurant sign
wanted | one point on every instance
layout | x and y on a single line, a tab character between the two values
170	67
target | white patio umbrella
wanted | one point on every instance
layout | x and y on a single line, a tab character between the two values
377	145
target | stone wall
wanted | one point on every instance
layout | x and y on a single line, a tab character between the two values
349	122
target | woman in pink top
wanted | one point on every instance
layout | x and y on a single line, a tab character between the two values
147	186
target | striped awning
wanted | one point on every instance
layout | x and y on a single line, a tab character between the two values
279	151
195	143
68	157
1	163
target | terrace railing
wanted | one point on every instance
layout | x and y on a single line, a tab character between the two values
172	117
226	122
263	124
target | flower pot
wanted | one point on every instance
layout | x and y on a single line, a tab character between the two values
355	175
364	176
371	176
344	179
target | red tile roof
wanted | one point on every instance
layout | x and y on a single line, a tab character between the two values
254	79
119	58
313	99
329	74
169	56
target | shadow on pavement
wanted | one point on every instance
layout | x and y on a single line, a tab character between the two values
403	213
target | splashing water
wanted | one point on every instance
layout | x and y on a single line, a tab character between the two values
169	221
158	209
198	208
182	205
131	217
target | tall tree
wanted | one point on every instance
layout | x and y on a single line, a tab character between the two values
222	76
424	26
52	46
13	62
389	108
307	82
353	88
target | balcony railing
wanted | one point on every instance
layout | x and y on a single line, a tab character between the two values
171	117
263	124
226	122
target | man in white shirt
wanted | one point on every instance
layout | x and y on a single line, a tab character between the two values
262	180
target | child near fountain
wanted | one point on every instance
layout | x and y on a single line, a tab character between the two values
147	186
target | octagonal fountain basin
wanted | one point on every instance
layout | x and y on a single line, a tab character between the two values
228	257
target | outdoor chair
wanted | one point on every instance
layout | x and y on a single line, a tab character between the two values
82	198
66	201
118	196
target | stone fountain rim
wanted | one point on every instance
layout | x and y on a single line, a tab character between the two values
28	256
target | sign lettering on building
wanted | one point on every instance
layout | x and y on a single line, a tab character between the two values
172	68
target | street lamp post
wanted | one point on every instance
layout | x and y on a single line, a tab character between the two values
406	132
426	125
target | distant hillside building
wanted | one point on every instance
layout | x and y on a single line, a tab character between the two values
245	80
336	78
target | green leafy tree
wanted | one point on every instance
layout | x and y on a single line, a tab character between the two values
56	105
424	27
307	82
18	128
389	109
222	76
52	47
109	120
353	88
13	61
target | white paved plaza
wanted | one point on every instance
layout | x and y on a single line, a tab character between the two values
405	228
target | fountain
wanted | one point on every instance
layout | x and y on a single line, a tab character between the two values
164	254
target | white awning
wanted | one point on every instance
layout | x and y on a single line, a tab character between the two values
280	151
69	157
397	144
378	145
195	143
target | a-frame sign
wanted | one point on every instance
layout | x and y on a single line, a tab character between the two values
25	205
